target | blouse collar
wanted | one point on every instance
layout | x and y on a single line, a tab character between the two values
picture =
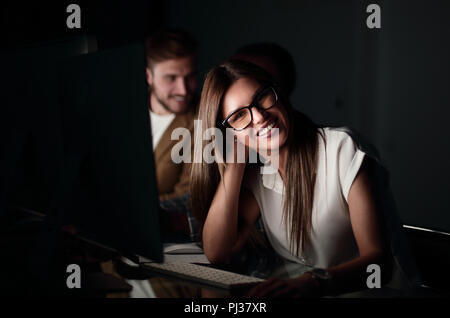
274	182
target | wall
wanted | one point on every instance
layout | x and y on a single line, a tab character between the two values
413	109
389	84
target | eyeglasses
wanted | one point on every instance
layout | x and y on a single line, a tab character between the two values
241	118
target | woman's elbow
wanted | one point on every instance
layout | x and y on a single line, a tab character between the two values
217	249
214	251
215	256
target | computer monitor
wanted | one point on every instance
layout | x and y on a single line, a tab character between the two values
108	186
31	156
30	127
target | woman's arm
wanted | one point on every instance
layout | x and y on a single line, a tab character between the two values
233	212
352	275
367	228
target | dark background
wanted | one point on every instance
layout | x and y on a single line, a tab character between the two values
391	84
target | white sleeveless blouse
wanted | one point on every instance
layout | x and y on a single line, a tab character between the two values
332	240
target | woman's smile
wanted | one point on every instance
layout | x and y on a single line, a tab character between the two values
267	128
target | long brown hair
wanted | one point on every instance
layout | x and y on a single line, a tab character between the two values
301	162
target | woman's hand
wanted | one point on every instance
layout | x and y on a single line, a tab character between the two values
232	214
239	155
236	163
303	286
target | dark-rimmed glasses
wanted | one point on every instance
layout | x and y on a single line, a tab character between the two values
241	118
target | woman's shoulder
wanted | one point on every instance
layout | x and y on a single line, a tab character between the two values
336	134
336	139
339	147
345	138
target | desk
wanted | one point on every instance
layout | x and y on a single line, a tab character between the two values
34	261
168	286
165	286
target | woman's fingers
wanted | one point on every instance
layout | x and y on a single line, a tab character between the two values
282	288
266	288
284	291
256	290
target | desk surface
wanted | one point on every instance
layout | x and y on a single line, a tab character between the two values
168	287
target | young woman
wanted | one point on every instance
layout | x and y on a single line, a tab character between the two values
318	208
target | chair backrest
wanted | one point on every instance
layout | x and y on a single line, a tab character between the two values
431	251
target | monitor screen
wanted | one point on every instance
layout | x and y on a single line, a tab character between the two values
108	185
30	125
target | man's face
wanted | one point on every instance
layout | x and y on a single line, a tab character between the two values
173	84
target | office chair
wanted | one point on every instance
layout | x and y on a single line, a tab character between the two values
431	251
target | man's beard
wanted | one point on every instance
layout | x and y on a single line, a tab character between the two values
162	102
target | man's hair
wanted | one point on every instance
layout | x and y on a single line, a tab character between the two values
278	56
169	44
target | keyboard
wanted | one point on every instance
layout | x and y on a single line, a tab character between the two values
202	274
